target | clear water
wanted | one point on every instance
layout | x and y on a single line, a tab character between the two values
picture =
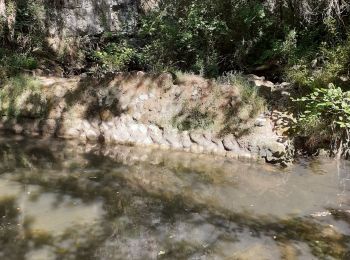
60	200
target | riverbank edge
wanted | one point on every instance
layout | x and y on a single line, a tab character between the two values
86	120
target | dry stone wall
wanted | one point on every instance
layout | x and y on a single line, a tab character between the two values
138	109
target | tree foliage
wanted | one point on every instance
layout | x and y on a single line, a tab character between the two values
218	36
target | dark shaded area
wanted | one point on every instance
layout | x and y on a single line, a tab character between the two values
193	119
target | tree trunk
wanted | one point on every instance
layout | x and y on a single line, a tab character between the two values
2	8
340	150
11	19
2	21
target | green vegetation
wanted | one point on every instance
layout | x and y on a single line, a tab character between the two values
326	117
22	95
247	91
113	57
240	113
21	35
194	118
305	42
13	63
231	106
322	66
183	36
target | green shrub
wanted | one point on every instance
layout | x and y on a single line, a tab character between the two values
183	37
21	95
168	40
329	64
12	63
114	56
326	115
21	35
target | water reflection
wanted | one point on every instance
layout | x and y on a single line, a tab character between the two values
66	201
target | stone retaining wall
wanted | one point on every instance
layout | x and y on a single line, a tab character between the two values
139	109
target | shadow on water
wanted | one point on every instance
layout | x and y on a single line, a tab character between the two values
129	207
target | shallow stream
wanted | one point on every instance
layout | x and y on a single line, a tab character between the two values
60	200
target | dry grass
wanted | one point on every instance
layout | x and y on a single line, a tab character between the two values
227	105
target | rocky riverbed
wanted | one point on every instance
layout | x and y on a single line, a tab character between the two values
187	113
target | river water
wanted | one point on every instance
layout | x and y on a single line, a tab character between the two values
60	200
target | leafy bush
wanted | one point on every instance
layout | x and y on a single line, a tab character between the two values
13	63
114	57
183	37
326	117
212	37
203	36
30	24
21	95
322	66
24	30
21	32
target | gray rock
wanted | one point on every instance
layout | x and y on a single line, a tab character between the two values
107	129
186	140
138	133
284	85
173	138
90	130
85	17
254	77
277	149
156	135
200	140
344	78
121	136
219	144
120	133
195	148
273	151
211	145
17	128
92	135
69	128
323	153
230	144
260	122
31	127
123	119
49	127
70	133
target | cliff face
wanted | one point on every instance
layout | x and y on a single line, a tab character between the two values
72	18
62	22
69	20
